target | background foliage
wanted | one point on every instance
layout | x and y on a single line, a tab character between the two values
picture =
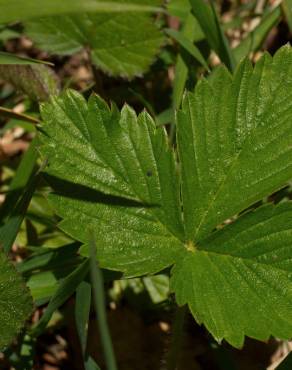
117	185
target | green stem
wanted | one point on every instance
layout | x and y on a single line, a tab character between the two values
177	338
99	304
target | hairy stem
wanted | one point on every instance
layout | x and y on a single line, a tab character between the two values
177	339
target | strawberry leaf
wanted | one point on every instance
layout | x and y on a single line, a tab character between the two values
136	219
234	138
123	44
115	174
238	281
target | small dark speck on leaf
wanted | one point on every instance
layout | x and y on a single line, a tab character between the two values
149	173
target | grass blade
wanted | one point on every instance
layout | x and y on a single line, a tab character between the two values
99	303
20	180
82	311
66	288
287	10
9	230
181	69
207	17
9	113
16	203
8	58
188	46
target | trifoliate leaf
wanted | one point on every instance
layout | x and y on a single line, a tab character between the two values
15	301
115	174
123	44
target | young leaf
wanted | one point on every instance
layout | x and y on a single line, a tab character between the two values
115	174
120	44
16	302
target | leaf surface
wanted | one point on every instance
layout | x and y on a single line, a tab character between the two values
234	138
121	44
15	302
136	219
238	281
20	10
114	174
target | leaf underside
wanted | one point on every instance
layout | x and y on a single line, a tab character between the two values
114	173
15	302
121	44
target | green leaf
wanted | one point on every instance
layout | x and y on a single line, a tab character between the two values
82	316
64	291
8	58
287	10
188	46
19	10
207	17
11	226
120	44
16	302
82	311
238	281
116	174
239	149
127	158
157	287
181	68
179	8
38	81
100	308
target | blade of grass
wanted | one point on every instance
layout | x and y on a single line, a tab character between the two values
66	288
164	117
177	338
82	311
20	180
208	19
20	10
9	230
8	58
189	30
188	46
181	69
9	113
287	10
255	38
100	308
